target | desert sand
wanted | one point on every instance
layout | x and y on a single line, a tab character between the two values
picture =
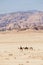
11	54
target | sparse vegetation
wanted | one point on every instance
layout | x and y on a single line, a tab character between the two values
31	48
25	48
10	54
36	28
21	48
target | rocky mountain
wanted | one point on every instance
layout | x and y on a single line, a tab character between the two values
31	19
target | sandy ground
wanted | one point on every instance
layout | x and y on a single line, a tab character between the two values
10	54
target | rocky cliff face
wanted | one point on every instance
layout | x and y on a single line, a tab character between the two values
22	20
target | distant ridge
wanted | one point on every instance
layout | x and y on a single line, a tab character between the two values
31	19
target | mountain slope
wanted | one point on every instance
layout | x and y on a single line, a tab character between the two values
22	20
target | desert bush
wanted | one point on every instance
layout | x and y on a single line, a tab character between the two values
36	28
